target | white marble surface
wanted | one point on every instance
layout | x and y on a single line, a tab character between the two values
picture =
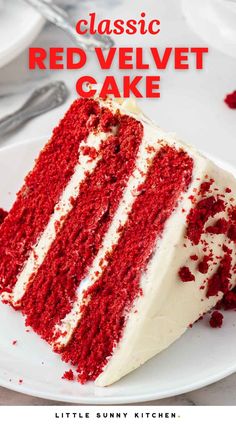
191	104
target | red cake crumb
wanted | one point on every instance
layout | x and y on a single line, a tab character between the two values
20	381
185	274
226	249
205	187
150	149
203	266
216	319
90	151
232	213
232	232
68	375
229	301
3	215
219	282
14	342
194	257
228	190
198	216
230	100
220	227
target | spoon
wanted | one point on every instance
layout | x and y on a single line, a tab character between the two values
41	100
60	18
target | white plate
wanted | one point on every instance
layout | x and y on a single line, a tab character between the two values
200	357
19	26
214	21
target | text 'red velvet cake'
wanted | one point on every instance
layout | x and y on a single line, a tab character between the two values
121	237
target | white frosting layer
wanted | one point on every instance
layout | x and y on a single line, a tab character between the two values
62	208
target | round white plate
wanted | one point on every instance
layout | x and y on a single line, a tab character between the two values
19	26
200	357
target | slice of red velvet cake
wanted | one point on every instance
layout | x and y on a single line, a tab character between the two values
120	238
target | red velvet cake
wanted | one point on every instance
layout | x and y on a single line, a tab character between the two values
119	239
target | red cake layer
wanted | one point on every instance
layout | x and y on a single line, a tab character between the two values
53	290
3	215
42	189
112	296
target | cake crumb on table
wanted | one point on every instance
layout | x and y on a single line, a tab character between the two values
216	319
68	375
230	100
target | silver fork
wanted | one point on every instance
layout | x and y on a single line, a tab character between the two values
40	101
60	18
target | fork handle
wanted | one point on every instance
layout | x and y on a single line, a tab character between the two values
60	18
41	100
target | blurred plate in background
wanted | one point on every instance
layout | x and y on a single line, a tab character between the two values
19	26
214	21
